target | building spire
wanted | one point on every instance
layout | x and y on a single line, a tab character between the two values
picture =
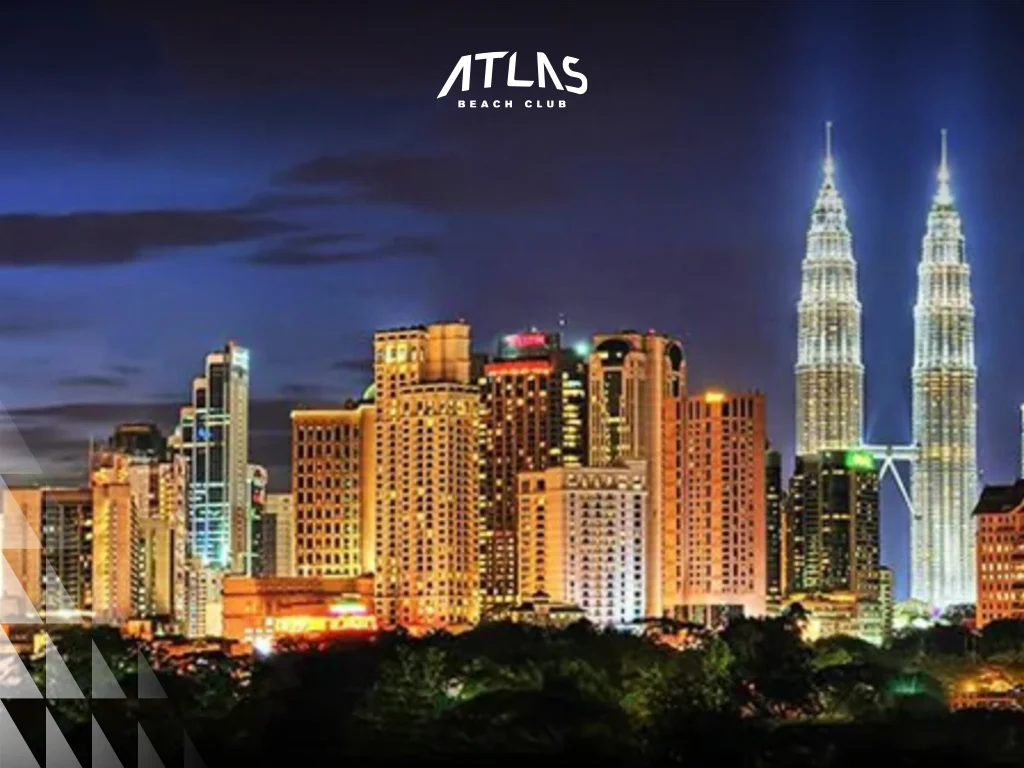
944	195
830	167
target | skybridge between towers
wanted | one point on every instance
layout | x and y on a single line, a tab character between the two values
887	456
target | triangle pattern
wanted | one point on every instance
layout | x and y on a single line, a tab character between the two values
15	607
60	683
15	680
58	752
14	752
104	684
148	757
16	533
59	607
103	755
192	758
15	456
149	685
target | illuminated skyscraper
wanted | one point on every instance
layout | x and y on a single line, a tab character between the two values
333	489
426	519
775	519
637	394
725	510
944	478
533	416
213	434
829	372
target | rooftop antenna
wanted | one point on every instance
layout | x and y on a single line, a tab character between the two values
830	167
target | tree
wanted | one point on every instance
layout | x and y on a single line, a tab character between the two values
1004	636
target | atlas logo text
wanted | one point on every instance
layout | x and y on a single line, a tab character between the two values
545	72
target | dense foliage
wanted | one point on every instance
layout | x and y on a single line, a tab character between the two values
753	695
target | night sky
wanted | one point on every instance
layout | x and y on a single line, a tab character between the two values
170	179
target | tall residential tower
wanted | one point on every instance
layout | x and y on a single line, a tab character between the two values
829	372
944	480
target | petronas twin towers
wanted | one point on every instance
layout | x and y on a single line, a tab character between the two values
830	379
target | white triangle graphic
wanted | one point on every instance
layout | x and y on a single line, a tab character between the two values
191	757
104	684
60	683
15	607
15	680
148	757
149	686
15	456
58	752
17	533
60	607
14	752
103	755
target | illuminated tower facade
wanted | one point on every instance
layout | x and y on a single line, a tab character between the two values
944	479
427	519
726	527
533	416
213	434
637	412
829	372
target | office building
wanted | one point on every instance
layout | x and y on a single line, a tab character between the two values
887	601
213	435
258	480
278	540
204	601
140	440
944	479
21	526
427	421
775	568
333	488
117	553
581	539
533	415
637	395
834	544
829	369
726	550
1000	547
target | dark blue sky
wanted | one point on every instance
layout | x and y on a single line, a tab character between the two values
172	178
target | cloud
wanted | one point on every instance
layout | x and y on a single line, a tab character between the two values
277	202
57	433
295	253
127	369
472	182
93	381
118	237
301	390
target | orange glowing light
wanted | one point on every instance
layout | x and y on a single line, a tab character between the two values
714	397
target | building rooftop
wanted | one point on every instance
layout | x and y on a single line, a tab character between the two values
1000	498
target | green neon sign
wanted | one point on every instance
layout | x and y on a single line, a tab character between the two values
859	460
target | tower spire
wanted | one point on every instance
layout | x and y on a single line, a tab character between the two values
829	165
944	195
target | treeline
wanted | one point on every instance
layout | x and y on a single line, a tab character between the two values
754	695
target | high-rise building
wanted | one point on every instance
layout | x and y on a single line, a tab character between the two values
117	552
533	415
885	597
581	539
333	488
213	434
67	542
258	480
19	540
944	482
427	420
279	536
834	543
726	529
204	600
829	371
1022	441
1000	548
140	440
774	508
637	394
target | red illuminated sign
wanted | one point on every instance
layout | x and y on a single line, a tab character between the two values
514	367
526	340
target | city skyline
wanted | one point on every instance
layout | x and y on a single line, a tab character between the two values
174	185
